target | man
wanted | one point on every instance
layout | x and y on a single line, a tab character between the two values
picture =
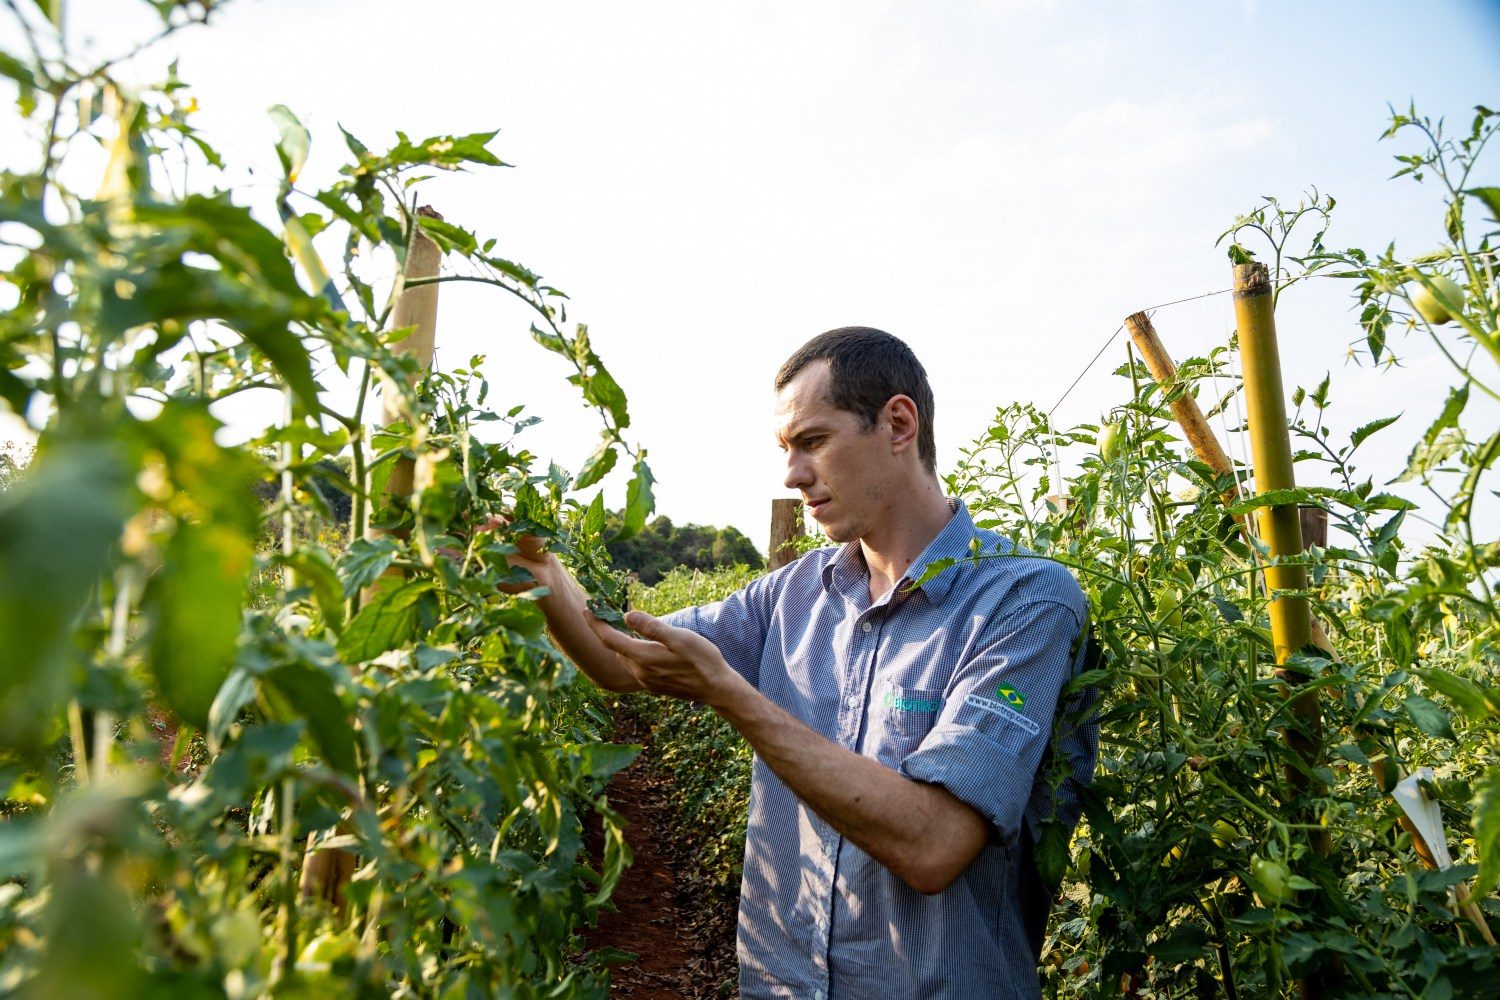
899	716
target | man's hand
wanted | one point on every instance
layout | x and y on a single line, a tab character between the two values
569	620
670	660
531	555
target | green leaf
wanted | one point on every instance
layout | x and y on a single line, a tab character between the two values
1468	696
387	622
448	236
1422	458
52	10
1487	831
58	525
1271	498
1184	943
595	518
253	289
1364	431
639	502
1239	255
604	760
194	606
1051	854
449	152
313	694
1401	644
1228	610
1352	754
295	141
1429	717
365	561
597	466
600	389
234	694
314	570
1491	198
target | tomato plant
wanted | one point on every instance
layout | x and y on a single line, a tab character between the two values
200	690
1228	848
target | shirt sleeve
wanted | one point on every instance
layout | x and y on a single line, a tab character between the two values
997	717
737	625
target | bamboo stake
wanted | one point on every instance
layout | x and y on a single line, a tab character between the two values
1271	451
1313	525
1184	407
1205	442
1280	526
1461	894
786	527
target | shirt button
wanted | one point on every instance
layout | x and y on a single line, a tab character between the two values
854	701
817	995
867	626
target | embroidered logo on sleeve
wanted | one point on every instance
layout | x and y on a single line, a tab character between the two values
1007	693
1004	711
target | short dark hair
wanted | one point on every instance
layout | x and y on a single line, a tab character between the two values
866	368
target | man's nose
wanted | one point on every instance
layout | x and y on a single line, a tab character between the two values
798	475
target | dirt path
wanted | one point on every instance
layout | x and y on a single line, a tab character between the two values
679	942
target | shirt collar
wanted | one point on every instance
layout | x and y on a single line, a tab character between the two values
954	542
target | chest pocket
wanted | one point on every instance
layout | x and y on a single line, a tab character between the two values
900	719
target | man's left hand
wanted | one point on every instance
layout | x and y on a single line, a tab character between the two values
670	660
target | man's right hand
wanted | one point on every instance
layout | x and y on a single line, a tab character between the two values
569	620
531	555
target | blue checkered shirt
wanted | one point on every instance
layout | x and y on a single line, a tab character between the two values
955	682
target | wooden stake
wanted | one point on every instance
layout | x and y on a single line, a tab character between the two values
786	526
326	872
416	307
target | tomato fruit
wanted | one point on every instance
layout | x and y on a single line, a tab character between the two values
1109	440
1271	879
1438	303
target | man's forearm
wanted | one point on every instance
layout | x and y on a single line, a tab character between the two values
921	832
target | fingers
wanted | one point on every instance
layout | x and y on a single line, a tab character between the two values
639	650
648	626
528	547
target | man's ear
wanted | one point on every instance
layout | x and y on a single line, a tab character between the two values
901	417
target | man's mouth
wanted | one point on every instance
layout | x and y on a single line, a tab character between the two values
813	506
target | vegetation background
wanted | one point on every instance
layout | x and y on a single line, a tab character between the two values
251	752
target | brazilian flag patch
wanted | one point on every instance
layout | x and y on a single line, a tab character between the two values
1008	694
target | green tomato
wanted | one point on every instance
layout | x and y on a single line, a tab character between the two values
1271	879
1169	607
1110	440
325	949
1438	303
1225	833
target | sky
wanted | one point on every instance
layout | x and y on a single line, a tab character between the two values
997	182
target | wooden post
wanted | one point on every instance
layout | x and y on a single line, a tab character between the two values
325	872
416	307
786	526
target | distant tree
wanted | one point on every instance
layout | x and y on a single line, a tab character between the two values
662	546
14	458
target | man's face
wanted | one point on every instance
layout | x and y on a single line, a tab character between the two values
837	464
